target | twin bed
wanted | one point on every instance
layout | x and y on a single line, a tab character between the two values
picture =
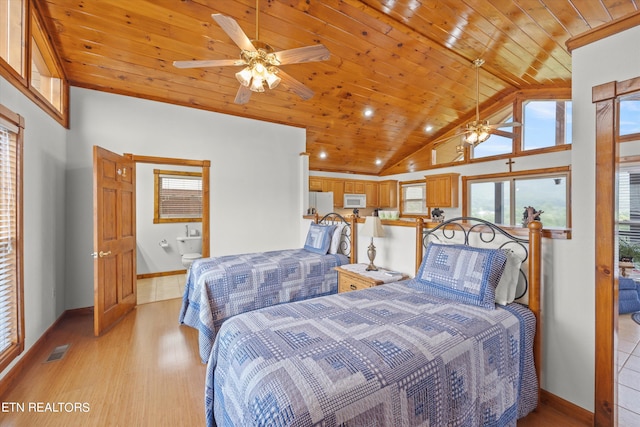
433	350
221	287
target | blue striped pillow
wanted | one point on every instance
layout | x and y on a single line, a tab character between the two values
319	238
462	273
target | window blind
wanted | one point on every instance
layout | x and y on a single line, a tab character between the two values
8	261
180	196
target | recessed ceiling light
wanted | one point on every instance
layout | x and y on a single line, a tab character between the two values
368	112
378	161
428	128
323	155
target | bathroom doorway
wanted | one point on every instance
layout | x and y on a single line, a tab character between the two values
160	273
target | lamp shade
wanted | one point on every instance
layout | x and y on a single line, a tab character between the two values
372	227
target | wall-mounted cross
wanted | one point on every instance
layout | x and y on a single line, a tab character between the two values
510	162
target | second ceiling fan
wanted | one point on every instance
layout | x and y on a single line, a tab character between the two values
261	64
478	130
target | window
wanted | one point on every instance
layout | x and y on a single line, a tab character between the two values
629	113
447	152
12	30
177	196
45	74
11	303
503	198
629	203
501	140
546	124
413	198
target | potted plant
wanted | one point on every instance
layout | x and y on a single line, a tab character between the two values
627	251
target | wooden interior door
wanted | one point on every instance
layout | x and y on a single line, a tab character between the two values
114	238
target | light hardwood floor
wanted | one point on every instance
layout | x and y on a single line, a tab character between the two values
143	372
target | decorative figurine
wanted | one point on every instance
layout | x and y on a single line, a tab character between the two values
356	212
437	215
530	214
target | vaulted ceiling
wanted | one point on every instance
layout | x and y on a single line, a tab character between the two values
409	61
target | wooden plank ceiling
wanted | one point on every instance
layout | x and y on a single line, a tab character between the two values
407	60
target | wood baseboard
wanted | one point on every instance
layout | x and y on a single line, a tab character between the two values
161	274
36	349
564	406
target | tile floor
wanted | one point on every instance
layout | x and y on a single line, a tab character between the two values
160	288
628	372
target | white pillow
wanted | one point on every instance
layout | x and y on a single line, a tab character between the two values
506	289
334	247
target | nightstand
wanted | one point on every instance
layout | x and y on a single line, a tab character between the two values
353	277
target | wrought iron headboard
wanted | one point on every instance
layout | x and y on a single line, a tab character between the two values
348	240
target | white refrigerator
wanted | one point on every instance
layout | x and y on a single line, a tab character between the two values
322	202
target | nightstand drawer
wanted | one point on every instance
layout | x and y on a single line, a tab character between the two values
354	279
348	282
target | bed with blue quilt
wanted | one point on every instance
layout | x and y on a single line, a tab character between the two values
435	350
218	288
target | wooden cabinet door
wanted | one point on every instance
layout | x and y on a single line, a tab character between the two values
315	183
442	190
371	191
337	186
349	187
388	194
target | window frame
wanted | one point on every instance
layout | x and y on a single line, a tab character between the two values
511	176
22	80
516	99
156	196
15	125
416	182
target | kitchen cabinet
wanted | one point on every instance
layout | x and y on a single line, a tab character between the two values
442	190
354	187
315	183
388	194
337	186
371	191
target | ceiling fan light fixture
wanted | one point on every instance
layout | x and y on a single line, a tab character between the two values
257	84
272	77
244	76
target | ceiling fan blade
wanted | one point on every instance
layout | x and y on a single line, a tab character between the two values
505	125
295	86
447	138
303	54
243	95
208	63
233	30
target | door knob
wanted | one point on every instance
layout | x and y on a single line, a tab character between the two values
104	254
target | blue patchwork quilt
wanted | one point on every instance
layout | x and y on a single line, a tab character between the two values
220	287
390	355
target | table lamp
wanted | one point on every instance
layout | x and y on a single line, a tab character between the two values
372	228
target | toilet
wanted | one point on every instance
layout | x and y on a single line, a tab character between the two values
190	247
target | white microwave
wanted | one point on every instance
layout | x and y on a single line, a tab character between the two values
355	201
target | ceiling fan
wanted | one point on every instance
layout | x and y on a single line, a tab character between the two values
261	63
478	130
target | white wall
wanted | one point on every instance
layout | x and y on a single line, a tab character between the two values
256	184
571	350
44	213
